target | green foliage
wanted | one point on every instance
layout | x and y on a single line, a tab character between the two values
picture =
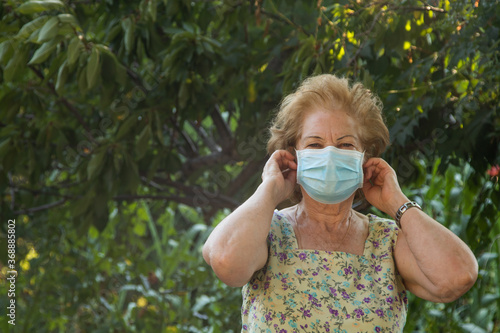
129	129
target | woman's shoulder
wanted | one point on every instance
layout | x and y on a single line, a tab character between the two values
381	222
281	231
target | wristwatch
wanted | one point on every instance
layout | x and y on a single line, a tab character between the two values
403	209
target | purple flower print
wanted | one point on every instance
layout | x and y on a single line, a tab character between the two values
315	273
334	312
348	270
345	295
299	271
326	267
389	300
359	313
255	286
379	312
390	287
378	268
282	256
268	316
367	300
283	331
333	292
306	313
360	286
266	285
271	237
376	244
386	230
302	256
378	329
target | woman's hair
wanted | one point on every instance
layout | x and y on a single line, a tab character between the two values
330	93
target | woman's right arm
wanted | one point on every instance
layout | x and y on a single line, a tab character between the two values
237	247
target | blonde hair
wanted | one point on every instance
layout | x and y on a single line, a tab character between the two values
330	93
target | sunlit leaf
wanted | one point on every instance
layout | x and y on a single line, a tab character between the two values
31	7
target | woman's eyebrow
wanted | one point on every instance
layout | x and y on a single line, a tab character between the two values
313	137
345	136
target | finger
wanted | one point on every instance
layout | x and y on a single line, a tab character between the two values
284	159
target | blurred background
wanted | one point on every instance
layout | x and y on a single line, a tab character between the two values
128	130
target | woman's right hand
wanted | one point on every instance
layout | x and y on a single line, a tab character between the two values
281	170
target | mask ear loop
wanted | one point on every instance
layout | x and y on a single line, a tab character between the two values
297	160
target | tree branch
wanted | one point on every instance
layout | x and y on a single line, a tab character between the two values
249	170
204	136
226	138
193	150
40	208
367	33
220	157
188	201
425	8
63	100
283	18
194	191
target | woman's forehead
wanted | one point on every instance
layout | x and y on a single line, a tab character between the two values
320	123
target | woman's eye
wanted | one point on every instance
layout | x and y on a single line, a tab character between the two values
346	145
314	145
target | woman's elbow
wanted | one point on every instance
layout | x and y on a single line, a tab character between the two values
462	283
225	269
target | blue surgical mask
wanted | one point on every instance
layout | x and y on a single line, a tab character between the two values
330	175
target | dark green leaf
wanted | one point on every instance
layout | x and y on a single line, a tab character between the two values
142	144
96	163
32	7
74	49
31	26
43	52
125	127
93	68
49	30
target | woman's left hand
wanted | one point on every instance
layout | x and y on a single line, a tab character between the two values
381	186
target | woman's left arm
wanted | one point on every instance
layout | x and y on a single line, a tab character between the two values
435	264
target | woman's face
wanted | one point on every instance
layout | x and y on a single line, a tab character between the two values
322	128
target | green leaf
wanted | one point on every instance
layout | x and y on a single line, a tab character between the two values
6	50
96	163
143	141
74	48
81	205
32	7
31	27
43	52
82	80
49	30
62	75
128	27
93	69
5	147
68	18
126	126
15	65
152	9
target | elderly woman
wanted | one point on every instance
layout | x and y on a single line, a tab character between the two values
320	266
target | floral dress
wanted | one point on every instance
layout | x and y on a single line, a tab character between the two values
321	291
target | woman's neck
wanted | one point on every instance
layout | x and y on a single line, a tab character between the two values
327	218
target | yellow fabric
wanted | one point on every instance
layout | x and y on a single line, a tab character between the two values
321	291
